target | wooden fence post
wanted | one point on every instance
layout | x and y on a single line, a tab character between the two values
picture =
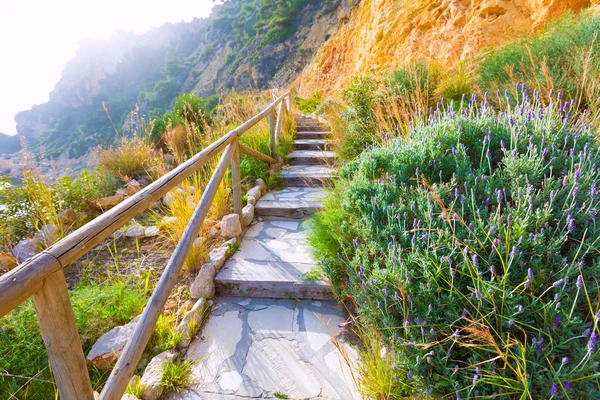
280	117
288	103
272	135
236	179
57	323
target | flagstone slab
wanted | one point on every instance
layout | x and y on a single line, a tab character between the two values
271	350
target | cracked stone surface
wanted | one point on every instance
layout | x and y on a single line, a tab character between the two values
252	348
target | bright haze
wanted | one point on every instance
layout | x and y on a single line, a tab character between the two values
38	37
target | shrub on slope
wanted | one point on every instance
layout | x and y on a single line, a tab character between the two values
472	248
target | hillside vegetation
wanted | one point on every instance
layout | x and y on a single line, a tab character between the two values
464	225
245	44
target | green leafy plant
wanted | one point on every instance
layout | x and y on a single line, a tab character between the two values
176	375
471	249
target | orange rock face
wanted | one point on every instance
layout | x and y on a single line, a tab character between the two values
386	34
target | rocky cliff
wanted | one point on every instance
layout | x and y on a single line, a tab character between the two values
386	34
244	44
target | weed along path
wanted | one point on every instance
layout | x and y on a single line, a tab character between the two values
271	332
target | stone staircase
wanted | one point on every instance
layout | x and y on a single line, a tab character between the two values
274	257
272	334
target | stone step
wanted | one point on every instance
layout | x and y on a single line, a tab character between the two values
306	175
311	157
292	202
311	128
311	144
313	135
272	263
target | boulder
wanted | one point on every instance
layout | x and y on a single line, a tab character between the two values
248	214
263	186
251	200
136	231
151	231
26	249
153	375
69	217
105	203
192	322
106	351
7	262
231	226
204	285
132	187
49	233
255	192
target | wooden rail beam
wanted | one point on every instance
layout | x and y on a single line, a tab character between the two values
123	371
31	273
257	154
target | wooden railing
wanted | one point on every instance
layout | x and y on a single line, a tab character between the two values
42	277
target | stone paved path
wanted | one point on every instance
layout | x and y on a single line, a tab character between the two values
258	347
277	336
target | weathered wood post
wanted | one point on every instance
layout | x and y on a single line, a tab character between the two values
288	103
57	323
272	135
280	117
236	179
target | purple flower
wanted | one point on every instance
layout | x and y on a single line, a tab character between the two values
475	379
571	224
458	397
593	191
409	375
592	343
554	390
568	385
530	274
456	334
556	321
511	323
487	202
564	361
520	309
579	282
355	242
558	283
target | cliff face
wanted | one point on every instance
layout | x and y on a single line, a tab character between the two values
244	44
386	34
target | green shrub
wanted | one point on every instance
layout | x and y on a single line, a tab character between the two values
475	250
564	57
98	307
309	106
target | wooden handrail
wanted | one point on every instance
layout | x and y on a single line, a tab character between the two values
23	281
42	276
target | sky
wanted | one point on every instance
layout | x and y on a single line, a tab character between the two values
38	37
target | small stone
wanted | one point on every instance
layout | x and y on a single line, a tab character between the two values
121	192
204	285
128	396
68	217
248	214
7	262
198	242
213	232
26	249
191	190
168	199
107	349
143	181
136	231
251	200
105	203
153	375
49	233
168	221
231	226
151	231
132	187
192	321
255	192
261	183
169	158
218	256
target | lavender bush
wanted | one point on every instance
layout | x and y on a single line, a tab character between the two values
475	249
